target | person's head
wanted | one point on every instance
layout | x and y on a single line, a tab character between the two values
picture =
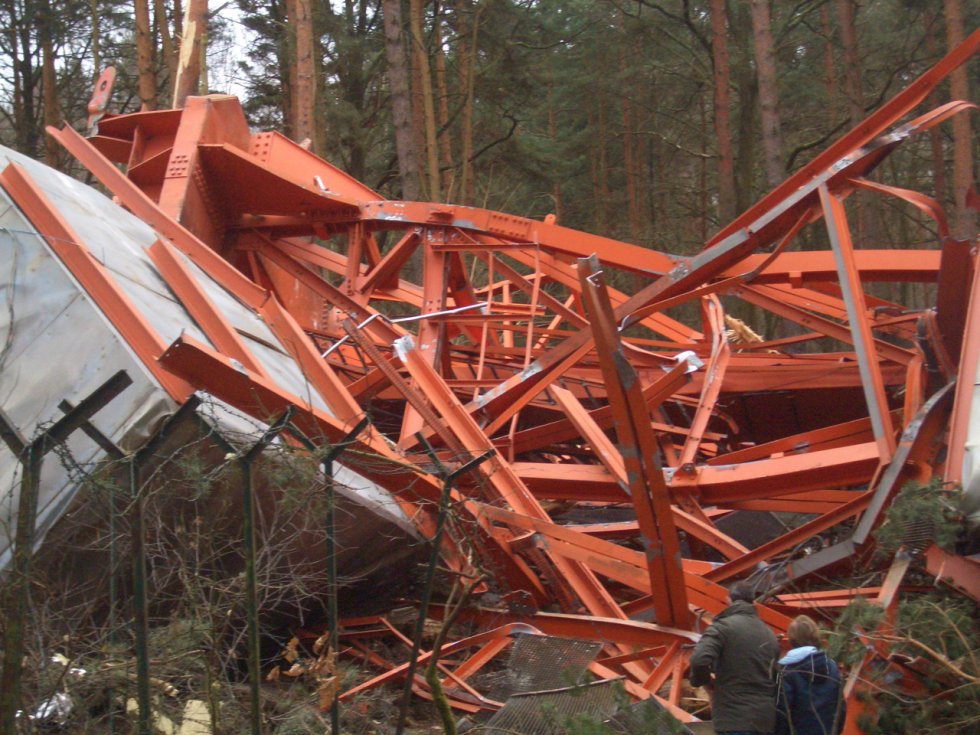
803	631
743	592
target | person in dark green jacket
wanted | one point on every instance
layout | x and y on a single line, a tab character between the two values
735	659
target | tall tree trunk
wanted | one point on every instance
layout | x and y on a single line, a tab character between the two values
20	128
654	165
445	139
468	35
852	61
722	104
27	99
597	203
630	169
703	171
418	118
49	83
829	74
765	60
553	137
629	140
178	15
935	133
292	82
203	81
964	218
144	55
401	110
603	167
166	40
865	202
189	68
302	70
421	55
96	39
748	91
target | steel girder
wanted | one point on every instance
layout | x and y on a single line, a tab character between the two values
625	438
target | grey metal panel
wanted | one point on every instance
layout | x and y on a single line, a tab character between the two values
55	343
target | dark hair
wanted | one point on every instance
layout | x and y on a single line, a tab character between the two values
742	591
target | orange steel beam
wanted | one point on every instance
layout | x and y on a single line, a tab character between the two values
479	639
837	467
147	210
861	135
316	371
808	267
190	293
261	398
611	458
874	386
616	562
379	326
520	231
961	572
557	431
848	433
777	304
714	373
721	253
553	361
498	473
651	500
94	277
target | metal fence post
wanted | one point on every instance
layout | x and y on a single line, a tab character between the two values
31	456
448	478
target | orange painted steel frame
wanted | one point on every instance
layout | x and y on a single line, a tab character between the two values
516	341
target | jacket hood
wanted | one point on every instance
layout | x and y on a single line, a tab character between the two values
796	655
811	662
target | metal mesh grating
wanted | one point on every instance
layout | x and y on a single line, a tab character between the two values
543	662
650	718
918	533
548	712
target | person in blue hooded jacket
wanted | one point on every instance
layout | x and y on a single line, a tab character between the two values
809	696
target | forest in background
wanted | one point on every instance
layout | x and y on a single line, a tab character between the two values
654	122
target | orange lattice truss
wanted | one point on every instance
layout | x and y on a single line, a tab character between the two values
623	443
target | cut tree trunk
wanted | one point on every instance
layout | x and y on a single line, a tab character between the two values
191	46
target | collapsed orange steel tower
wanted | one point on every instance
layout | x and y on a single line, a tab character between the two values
623	440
